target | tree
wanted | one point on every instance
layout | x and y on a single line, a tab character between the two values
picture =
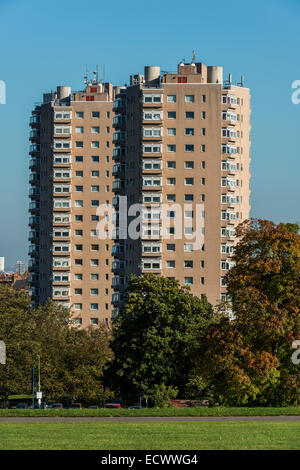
71	358
153	337
17	330
248	360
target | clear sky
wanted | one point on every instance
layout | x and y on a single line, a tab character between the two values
44	44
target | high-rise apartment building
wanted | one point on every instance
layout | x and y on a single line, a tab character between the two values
172	147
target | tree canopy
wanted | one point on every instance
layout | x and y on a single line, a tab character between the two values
154	336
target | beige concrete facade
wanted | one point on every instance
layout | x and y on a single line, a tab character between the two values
178	143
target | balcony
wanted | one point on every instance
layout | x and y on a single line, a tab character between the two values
118	265
118	281
34	178
35	120
34	207
34	220
34	164
117	249
34	193
120	122
118	185
119	152
119	137
33	249
34	148
119	105
119	169
34	135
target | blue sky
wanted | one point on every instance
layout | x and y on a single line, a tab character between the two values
44	44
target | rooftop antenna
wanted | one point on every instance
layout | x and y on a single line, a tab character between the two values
103	73
193	61
95	79
86	77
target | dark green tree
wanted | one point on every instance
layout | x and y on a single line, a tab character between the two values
154	336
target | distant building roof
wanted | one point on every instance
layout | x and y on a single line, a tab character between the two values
20	284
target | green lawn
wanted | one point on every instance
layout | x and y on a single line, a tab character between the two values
217	411
163	436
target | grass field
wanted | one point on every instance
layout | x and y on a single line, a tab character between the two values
150	436
217	411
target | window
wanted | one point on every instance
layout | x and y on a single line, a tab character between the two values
79	173
189	181
155	98
189	115
94	247
79	130
171	131
170	264
188	281
188	197
79	159
188	247
94	291
94	203
171	181
95	159
189	98
152	148
203	148
95	173
171	98
203	115
171	164
79	144
95	114
62	115
78	306
78	291
62	144
94	277
94	321
171	115
189	148
152	115
188	165
95	189
94	262
78	247
62	130
189	131
78	233
188	264
203	98
95	130
79	188
94	307
171	247
171	197
78	277
171	148
78	262
152	131
95	144
79	218
79	114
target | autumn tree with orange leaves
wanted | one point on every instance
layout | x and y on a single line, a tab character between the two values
248	360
